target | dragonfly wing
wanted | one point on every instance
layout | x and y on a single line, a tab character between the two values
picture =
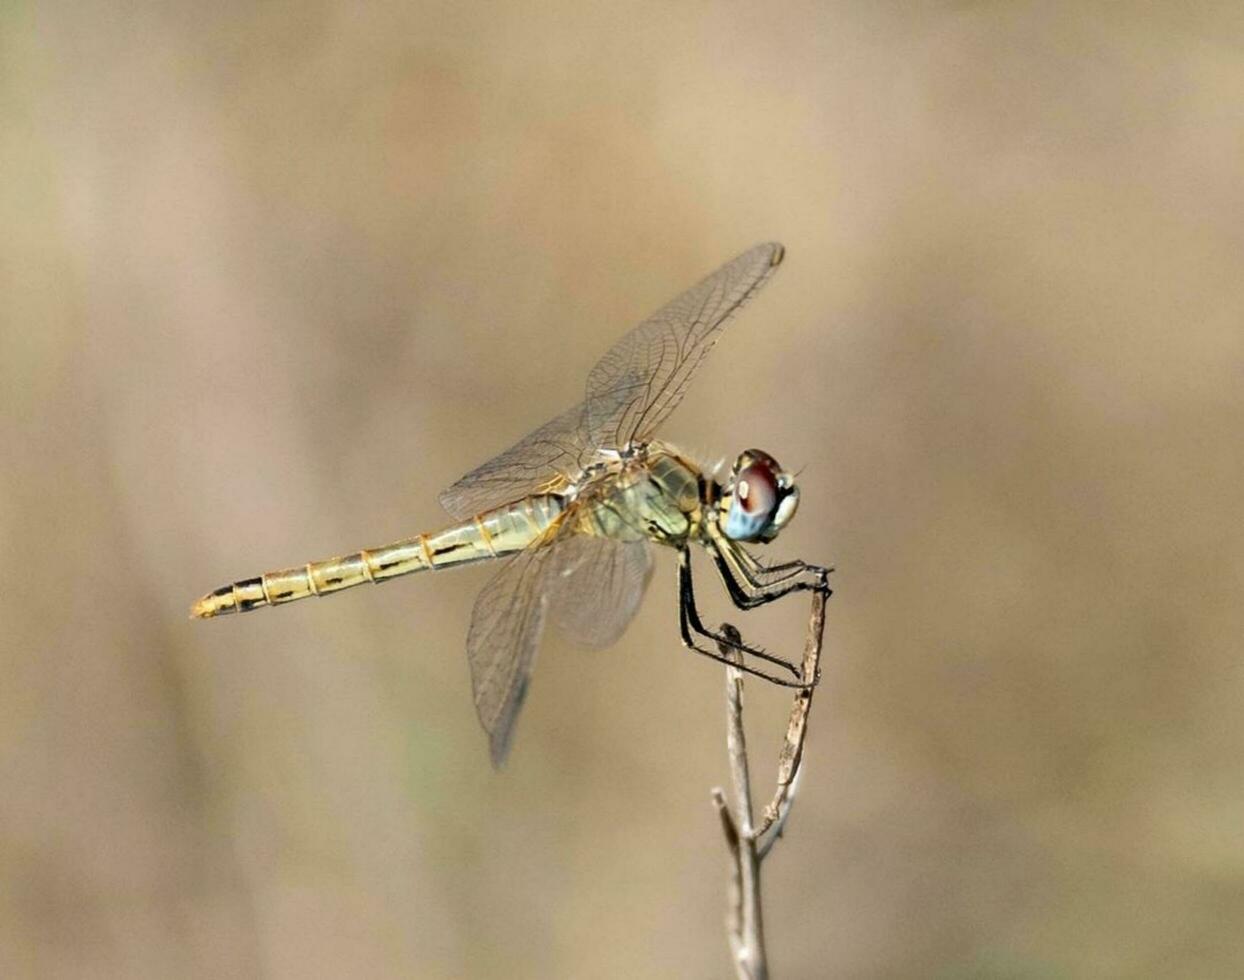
501	644
645	374
630	391
553	454
597	587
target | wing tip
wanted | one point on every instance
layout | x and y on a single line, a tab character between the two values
499	748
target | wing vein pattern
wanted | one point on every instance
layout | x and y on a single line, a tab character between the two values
640	380
630	391
506	624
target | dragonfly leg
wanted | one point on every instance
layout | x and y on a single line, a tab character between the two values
742	575
759	572
691	626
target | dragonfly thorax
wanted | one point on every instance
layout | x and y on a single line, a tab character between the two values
652	494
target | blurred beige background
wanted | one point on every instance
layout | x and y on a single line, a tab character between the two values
273	274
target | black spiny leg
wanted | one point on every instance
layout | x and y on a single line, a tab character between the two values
744	575
689	623
770	574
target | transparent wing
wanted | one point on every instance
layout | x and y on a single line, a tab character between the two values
597	586
645	374
501	644
552	455
629	391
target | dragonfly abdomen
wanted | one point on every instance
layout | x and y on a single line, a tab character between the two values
493	534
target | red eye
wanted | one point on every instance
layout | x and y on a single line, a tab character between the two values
756	488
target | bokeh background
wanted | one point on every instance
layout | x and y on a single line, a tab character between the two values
272	274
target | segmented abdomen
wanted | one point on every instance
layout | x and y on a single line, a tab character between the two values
492	534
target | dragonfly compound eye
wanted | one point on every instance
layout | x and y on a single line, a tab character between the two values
754	496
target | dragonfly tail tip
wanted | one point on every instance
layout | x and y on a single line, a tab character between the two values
212	604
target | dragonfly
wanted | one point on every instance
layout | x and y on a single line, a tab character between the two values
572	511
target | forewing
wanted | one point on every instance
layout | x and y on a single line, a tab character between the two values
645	374
597	585
554	453
501	644
630	391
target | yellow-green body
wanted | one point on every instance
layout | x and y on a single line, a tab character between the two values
652	494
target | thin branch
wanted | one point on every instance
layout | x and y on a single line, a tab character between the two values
748	844
745	921
791	757
734	908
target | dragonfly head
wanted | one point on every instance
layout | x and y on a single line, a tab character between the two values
759	499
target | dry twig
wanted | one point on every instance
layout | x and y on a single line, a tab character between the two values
748	843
